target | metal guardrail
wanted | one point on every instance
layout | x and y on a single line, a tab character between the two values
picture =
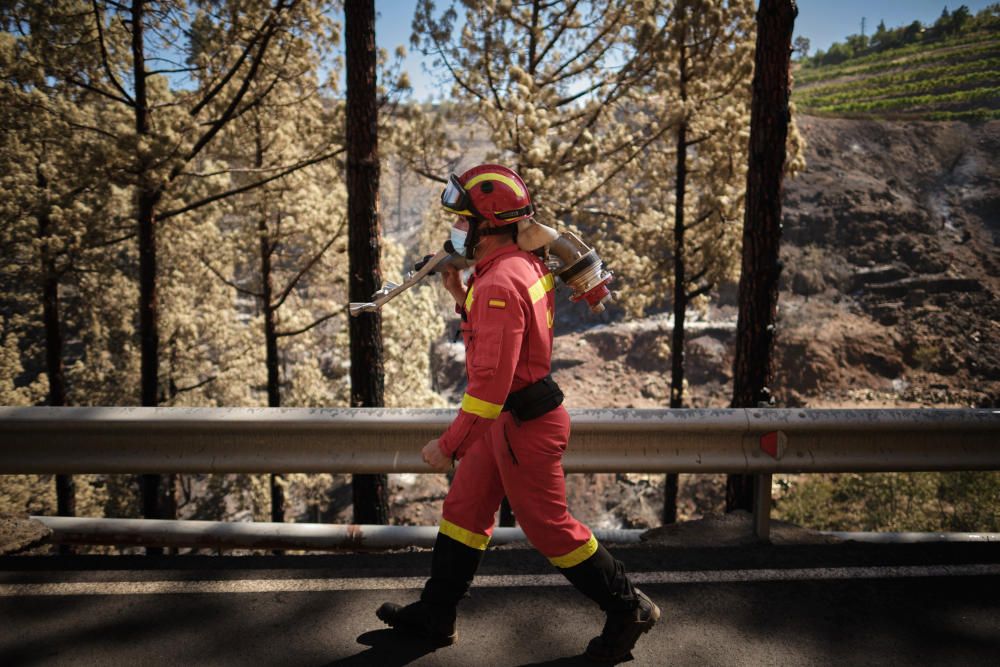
260	440
266	535
46	440
222	535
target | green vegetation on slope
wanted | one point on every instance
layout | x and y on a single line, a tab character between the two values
946	71
920	501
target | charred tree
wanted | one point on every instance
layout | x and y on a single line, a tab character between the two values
147	196
272	362
65	486
271	346
364	238
680	280
753	369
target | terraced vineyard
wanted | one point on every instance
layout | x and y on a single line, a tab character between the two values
956	79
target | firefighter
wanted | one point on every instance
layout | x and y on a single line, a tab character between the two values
512	430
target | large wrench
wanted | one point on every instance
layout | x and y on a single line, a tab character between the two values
390	290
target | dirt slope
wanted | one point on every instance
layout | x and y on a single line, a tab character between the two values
892	270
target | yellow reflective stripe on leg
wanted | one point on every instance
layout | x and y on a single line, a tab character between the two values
541	287
481	408
466	537
578	555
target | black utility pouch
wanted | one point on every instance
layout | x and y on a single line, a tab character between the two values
534	400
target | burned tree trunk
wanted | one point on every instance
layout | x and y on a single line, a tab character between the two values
680	284
147	197
364	238
65	486
758	296
271	361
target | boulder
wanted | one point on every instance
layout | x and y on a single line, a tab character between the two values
707	360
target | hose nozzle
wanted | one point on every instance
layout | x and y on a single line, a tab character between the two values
583	271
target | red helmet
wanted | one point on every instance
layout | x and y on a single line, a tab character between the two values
488	192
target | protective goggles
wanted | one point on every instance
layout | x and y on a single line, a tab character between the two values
456	199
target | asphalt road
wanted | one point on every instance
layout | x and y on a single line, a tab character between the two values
838	605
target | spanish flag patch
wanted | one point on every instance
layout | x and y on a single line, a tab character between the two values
498	303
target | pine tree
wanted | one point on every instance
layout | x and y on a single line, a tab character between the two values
693	176
173	128
281	240
56	192
367	371
712	50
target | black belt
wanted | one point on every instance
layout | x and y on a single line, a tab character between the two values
534	400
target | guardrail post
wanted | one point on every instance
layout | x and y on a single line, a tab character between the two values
762	506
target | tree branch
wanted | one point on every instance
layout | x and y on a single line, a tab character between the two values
250	186
305	269
237	97
704	289
238	288
428	175
555	38
258	34
285	334
104	55
701	219
489	75
100	91
181	390
110	242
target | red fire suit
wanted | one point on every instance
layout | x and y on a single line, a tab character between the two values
508	313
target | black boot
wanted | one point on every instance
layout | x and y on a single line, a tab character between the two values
432	622
629	612
432	617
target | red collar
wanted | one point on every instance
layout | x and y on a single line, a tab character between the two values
485	263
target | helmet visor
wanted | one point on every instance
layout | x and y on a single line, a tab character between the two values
455	199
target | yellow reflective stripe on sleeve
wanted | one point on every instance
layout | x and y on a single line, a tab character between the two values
481	408
541	287
551	318
578	555
468	299
490	176
466	537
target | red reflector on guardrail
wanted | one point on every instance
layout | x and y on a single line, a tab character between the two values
773	444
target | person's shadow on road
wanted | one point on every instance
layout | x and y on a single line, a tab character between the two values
569	661
387	649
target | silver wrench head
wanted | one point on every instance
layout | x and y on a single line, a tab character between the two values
385	289
356	308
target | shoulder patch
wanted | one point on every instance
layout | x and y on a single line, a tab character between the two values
497	303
